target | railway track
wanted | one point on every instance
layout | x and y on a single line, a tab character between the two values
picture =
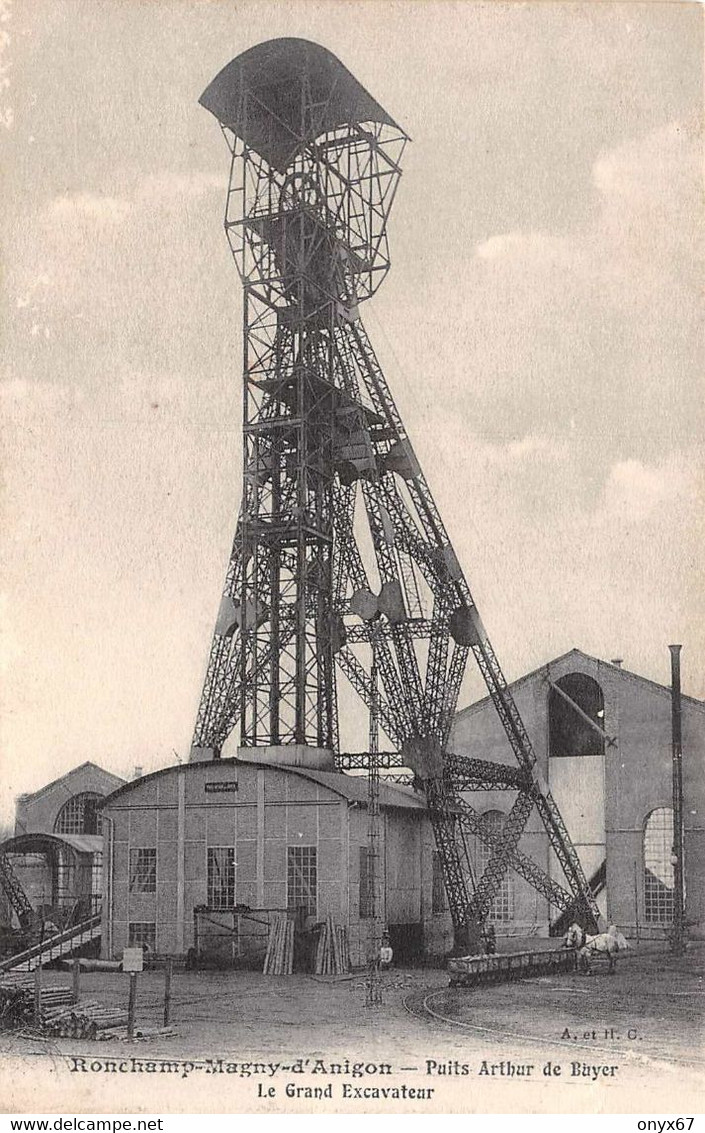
432	1007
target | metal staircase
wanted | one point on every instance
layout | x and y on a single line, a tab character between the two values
54	947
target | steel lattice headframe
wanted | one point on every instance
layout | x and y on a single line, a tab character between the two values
315	166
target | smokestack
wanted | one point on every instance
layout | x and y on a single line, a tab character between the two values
678	944
137	773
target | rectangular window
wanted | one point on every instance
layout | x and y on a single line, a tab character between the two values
366	882
221	877
97	874
143	871
96	882
301	879
658	900
142	932
438	893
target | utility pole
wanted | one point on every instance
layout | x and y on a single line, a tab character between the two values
374	892
678	939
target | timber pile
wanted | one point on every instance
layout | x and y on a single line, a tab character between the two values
60	1017
279	960
82	1020
17	999
332	950
119	1034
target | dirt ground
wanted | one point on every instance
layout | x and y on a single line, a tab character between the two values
646	1021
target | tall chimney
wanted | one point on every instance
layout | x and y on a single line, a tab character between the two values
678	942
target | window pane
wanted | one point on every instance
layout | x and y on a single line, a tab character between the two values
142	932
659	882
221	877
143	870
502	908
79	815
301	879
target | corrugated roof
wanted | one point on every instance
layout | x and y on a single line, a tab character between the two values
354	788
82	843
351	787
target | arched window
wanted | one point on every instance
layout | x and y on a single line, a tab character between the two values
569	733
502	909
79	815
659	883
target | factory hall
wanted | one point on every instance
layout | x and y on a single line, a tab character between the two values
197	860
188	845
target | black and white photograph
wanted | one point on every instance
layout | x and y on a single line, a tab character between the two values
352	737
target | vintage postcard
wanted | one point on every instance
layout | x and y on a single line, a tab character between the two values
353	724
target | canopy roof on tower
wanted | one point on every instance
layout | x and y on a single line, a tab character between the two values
274	74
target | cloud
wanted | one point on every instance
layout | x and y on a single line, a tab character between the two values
156	190
649	201
20	393
530	450
168	187
634	490
83	207
539	247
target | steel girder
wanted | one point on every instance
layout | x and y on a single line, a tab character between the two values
14	892
325	453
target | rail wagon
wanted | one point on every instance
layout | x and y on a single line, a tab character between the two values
471	971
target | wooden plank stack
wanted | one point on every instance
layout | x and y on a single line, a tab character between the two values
332	950
61	1017
17	999
279	960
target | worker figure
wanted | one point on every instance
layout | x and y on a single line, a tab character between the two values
386	955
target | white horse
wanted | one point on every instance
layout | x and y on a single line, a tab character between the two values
605	943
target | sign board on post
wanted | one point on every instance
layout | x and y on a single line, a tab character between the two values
132	960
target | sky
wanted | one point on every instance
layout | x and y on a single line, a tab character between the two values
541	329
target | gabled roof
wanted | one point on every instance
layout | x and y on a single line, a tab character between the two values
68	775
477	705
350	787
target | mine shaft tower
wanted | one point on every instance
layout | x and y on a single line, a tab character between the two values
339	551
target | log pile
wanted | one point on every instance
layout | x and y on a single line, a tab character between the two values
61	1017
17	994
332	950
119	1034
279	960
83	1020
